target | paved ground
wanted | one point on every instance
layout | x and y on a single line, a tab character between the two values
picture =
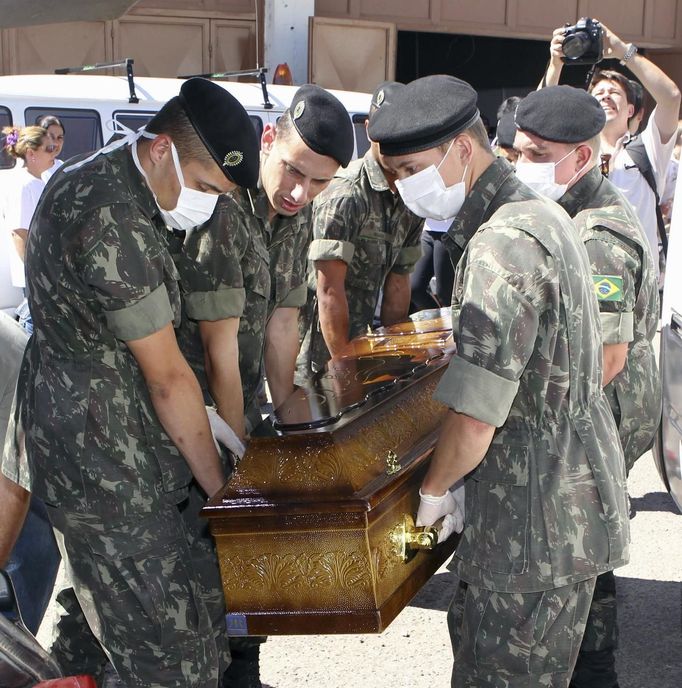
415	650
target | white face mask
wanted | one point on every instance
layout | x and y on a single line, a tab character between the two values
193	207
426	195
541	177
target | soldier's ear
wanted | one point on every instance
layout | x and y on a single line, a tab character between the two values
159	148
267	140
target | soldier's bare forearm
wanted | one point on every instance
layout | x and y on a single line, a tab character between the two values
396	302
461	446
281	349
180	408
334	320
14	502
179	404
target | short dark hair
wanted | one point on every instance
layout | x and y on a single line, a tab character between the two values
478	133
638	93
620	79
172	120
46	121
285	125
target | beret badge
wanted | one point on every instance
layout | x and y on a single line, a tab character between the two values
298	110
233	158
380	97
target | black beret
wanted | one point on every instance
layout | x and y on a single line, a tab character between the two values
224	127
506	130
563	114
323	123
424	114
385	92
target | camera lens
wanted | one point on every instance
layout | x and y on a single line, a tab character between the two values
576	44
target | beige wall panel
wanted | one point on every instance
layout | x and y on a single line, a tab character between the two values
170	47
332	8
626	18
233	45
42	49
542	14
226	6
480	11
670	61
405	9
351	55
664	22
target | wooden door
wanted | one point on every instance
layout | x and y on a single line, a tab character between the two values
349	54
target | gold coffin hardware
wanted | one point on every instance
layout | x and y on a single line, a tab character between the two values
392	465
408	538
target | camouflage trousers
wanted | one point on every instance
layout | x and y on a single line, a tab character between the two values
596	665
149	598
510	640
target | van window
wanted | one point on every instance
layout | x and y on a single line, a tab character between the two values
6	160
133	120
83	131
361	140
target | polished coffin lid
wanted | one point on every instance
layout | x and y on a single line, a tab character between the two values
304	528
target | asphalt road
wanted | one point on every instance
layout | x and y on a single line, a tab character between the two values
415	650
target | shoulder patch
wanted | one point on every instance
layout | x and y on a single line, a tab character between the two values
608	287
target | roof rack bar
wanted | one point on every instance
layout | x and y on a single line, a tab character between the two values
259	72
127	63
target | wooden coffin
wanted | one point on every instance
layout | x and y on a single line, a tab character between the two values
308	528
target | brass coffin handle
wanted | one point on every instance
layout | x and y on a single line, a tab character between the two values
407	538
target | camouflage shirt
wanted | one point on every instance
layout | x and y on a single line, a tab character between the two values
224	273
99	274
546	507
358	220
241	264
627	293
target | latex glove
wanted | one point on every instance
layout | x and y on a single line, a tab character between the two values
446	507
224	434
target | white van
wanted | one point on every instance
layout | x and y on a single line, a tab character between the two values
668	448
87	106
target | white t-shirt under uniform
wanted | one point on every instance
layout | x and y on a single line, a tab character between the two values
627	177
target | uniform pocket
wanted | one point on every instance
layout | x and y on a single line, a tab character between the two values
497	530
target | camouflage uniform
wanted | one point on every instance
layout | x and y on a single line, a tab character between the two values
546	507
100	274
629	304
224	273
627	293
242	263
358	220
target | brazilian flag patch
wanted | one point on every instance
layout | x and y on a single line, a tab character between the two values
608	287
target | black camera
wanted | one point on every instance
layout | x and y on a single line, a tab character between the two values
583	43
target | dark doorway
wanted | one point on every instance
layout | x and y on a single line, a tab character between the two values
496	67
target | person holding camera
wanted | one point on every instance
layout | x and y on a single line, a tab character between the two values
616	96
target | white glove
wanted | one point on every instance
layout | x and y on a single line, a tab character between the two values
449	507
224	434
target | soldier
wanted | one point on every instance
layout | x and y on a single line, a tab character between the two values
558	139
115	424
365	241
529	427
243	278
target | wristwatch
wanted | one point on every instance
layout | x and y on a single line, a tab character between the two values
630	52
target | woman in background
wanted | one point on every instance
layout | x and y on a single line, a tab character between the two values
55	130
31	145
